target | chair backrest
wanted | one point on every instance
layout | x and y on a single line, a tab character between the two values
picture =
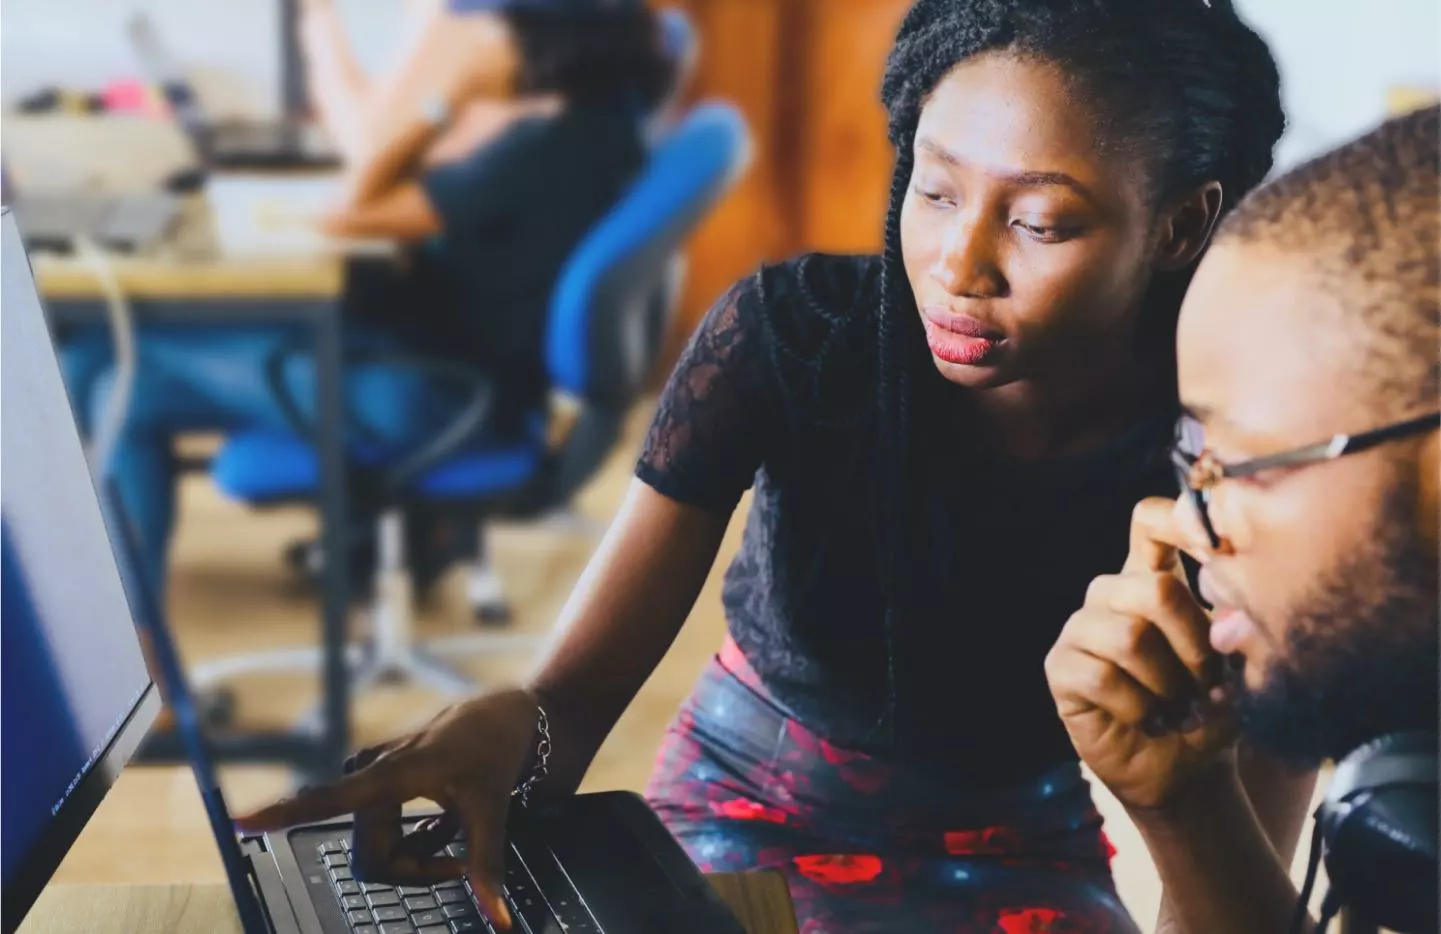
681	46
596	346
608	315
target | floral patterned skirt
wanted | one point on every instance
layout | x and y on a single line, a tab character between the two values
867	846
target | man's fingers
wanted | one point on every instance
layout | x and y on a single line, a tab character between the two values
1137	647
1155	538
483	814
1081	682
1164	602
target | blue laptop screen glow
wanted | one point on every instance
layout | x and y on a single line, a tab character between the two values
71	668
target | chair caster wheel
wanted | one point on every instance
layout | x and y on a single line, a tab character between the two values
492	614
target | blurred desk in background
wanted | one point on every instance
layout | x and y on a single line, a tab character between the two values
289	286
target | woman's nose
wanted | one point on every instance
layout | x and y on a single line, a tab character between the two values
966	265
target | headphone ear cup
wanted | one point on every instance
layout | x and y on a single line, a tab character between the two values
1379	831
1381	859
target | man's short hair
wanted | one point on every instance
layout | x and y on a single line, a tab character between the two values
1367	216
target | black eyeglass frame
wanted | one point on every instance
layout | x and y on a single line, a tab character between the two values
1201	471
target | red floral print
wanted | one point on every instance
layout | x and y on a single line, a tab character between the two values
839	868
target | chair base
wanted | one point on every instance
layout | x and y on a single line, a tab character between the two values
392	654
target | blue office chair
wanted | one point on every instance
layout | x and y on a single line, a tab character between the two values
608	318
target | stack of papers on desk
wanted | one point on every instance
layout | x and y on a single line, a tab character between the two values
276	215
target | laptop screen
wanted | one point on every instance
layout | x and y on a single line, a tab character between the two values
75	695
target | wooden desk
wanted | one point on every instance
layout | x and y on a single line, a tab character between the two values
259	279
760	899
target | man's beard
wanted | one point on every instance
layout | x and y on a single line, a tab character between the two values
1360	654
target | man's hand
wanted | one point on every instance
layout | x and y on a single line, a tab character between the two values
1134	677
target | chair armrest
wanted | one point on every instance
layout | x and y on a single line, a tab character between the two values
459	430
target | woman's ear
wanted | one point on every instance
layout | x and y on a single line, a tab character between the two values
1186	226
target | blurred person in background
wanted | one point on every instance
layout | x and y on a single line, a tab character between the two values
946	443
488	167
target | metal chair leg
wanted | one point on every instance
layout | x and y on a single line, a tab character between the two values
391	653
484	593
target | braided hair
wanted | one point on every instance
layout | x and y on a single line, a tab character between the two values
1183	83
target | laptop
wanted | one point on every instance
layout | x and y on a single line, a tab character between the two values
283	143
125	222
77	699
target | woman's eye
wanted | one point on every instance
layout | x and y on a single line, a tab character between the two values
930	196
1046	233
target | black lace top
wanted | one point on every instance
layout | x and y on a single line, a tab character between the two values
772	393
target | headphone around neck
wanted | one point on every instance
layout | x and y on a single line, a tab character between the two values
1377	831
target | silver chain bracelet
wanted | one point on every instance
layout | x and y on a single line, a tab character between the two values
540	767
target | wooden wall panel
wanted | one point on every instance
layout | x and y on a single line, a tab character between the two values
739	61
806	74
842	161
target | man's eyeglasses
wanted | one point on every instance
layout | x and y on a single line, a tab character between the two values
1199	469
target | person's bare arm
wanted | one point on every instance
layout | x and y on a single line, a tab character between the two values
454	58
1220	870
403	213
338	86
622	617
1280	801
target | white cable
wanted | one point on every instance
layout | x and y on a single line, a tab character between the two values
122	334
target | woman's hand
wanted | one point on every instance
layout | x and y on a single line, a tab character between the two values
467	760
1134	677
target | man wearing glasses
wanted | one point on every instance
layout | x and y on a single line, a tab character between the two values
1308	364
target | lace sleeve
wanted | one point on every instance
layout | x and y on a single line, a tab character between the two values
718	413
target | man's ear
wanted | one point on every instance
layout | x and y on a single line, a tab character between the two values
1186	226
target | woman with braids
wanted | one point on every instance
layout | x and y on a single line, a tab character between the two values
945	443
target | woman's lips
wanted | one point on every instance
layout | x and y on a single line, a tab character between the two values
957	338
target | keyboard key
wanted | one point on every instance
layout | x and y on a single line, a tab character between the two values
358	917
408	891
436	929
564	900
397	927
368	887
331	846
365	929
341	875
332	860
390	913
536	914
421	904
450	884
459	850
461	910
471	925
354	903
347	888
427	918
383	899
451	896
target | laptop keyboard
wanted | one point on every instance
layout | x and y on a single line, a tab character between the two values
540	896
